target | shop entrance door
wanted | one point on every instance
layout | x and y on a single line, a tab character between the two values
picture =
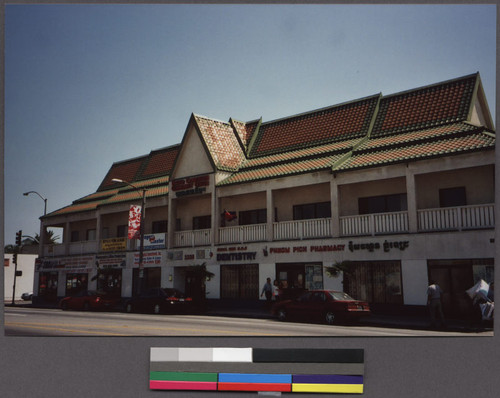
454	278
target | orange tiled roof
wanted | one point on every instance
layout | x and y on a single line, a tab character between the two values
221	142
340	122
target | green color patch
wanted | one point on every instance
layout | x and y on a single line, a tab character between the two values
183	376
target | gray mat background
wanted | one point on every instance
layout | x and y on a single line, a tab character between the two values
91	367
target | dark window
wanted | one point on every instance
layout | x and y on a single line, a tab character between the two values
91	234
121	231
202	222
75	236
253	217
312	210
451	197
382	204
159	226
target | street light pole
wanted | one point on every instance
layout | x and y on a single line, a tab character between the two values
42	229
44	199
141	229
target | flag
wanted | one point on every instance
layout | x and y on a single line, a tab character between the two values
230	215
134	222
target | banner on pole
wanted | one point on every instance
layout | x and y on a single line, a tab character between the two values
134	222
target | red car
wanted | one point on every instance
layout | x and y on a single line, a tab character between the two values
322	305
88	300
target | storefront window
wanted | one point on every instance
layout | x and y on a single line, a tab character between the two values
110	282
377	282
312	210
76	283
151	279
47	285
382	204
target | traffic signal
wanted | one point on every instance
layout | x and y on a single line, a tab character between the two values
19	235
14	258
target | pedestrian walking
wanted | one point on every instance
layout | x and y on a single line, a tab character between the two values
435	304
268	291
276	291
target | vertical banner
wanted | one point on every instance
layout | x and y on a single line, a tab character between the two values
134	222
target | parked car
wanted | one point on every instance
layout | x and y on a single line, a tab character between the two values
89	300
27	296
159	300
322	305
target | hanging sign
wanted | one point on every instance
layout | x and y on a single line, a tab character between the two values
134	222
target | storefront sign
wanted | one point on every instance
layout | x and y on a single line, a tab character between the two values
177	255
236	256
149	258
372	246
190	185
305	249
114	244
111	261
155	241
82	264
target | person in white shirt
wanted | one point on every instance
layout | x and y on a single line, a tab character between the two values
435	304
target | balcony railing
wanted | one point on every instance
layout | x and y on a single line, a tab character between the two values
243	233
374	224
428	220
302	229
199	237
457	218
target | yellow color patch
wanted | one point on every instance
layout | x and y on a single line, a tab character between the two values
334	388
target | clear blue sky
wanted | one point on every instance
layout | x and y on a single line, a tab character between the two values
89	85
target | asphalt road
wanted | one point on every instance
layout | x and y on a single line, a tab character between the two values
26	321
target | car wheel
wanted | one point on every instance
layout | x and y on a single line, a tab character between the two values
129	308
64	306
282	315
330	318
156	309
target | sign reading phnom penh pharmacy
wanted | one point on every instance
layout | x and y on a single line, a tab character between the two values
190	185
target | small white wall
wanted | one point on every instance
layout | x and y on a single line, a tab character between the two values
415	281
24	283
213	285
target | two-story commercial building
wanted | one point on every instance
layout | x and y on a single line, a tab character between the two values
400	187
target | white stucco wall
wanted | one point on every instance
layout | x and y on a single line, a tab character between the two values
24	283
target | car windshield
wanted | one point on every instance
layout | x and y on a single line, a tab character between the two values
340	296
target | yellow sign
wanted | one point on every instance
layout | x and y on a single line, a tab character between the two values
114	244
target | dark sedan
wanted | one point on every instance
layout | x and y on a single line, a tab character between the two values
322	305
89	300
159	300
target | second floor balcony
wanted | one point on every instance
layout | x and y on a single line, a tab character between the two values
446	219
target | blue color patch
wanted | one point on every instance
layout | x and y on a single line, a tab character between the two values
254	378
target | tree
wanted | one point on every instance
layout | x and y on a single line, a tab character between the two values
339	267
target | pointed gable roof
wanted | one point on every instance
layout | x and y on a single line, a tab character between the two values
245	130
221	143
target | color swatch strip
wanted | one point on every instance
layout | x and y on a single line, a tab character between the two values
250	369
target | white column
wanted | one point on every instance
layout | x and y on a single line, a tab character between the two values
411	197
270	214
335	207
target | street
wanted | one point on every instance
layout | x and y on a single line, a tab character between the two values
27	321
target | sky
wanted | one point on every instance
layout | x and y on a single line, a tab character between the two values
89	85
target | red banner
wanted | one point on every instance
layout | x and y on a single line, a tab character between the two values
134	222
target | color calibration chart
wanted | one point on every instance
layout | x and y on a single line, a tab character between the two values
257	369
